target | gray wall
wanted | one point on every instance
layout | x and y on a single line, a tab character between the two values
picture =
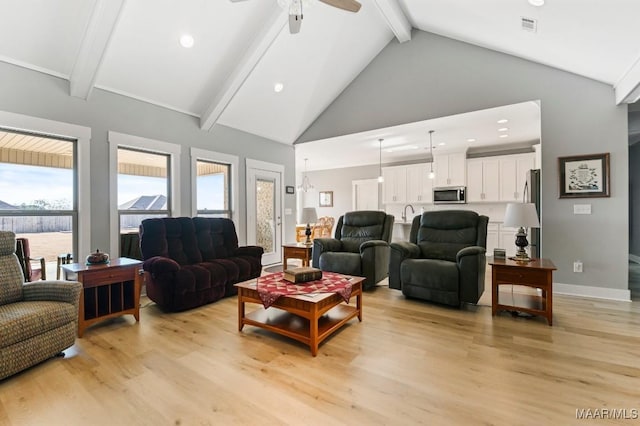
338	181
35	94
433	76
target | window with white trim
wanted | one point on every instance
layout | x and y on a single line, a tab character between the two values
38	195
144	181
213	189
143	187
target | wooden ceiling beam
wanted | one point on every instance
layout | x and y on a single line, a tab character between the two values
396	19
94	45
260	45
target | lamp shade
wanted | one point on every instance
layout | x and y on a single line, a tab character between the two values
309	215
521	215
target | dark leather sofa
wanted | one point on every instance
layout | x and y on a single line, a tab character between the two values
190	262
444	260
360	246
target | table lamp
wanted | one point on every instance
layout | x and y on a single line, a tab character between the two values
521	215
309	216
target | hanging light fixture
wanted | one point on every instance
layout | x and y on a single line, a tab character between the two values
305	186
432	175
380	177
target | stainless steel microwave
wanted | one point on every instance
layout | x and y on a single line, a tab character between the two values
450	195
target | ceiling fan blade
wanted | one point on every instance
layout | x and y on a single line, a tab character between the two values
348	5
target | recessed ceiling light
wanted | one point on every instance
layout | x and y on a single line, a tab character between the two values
278	87
503	129
442	144
471	140
186	41
504	120
536	2
504	135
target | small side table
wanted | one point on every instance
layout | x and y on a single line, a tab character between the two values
536	274
108	290
296	251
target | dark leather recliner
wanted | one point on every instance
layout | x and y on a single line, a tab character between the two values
360	246
444	261
189	262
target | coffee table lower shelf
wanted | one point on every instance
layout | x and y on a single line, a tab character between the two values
309	320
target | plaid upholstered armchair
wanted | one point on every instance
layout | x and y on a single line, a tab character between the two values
37	320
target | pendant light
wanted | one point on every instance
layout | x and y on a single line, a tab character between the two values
432	175
306	185
380	177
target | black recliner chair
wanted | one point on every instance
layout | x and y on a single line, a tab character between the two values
360	246
444	261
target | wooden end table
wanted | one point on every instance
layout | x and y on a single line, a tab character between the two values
297	251
537	273
108	290
307	318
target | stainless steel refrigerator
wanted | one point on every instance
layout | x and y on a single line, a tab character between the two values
534	196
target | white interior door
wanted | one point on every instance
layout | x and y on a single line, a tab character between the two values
264	210
364	194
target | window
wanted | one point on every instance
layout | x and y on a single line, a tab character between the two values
38	193
143	187
214	184
213	196
144	182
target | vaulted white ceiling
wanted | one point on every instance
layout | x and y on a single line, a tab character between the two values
242	49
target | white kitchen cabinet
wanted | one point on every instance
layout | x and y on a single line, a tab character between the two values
513	175
508	239
483	180
394	187
493	238
450	169
419	186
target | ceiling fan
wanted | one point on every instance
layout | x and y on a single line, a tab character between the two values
295	10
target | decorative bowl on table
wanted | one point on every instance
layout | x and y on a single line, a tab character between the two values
97	258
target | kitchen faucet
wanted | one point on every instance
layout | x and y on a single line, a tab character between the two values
404	212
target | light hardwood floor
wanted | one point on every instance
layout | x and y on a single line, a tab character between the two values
408	362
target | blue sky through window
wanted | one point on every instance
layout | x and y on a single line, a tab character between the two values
22	184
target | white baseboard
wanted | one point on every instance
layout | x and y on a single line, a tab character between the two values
594	292
634	258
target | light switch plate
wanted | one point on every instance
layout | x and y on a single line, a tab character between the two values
582	209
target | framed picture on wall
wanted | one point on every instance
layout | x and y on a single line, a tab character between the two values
584	176
326	198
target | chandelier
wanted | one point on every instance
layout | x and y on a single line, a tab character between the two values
380	176
305	186
432	175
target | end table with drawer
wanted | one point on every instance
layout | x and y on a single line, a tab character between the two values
538	273
108	290
297	251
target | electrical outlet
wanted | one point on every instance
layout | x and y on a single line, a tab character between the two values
582	209
577	266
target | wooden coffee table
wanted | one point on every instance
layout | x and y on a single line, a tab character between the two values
307	318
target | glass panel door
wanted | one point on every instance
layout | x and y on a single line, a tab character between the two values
264	217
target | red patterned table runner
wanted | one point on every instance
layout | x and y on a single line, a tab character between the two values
271	287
